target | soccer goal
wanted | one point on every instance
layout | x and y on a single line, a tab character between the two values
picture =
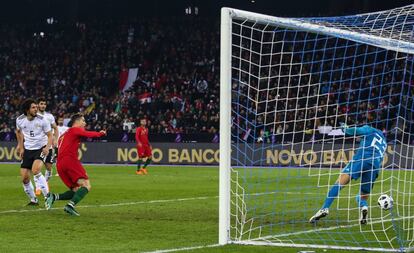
286	85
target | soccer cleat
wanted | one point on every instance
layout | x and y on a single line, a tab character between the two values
34	202
49	200
319	214
363	215
71	210
141	172
38	191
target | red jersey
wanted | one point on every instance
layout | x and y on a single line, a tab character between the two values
69	142
141	136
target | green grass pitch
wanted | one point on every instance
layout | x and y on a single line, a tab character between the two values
172	207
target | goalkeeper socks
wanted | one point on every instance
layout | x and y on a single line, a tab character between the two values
29	190
48	174
65	196
79	195
139	164
361	202
41	183
148	161
333	193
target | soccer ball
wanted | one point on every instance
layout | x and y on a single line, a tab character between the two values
385	202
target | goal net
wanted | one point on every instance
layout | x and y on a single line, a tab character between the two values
286	86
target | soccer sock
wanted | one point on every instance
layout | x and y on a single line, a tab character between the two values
48	174
333	193
41	183
79	195
65	196
139	164
29	190
361	202
148	161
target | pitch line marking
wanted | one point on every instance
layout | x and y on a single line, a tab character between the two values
116	204
184	248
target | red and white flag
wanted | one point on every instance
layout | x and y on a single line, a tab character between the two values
145	98
127	78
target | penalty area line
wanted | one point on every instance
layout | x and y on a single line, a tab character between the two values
184	248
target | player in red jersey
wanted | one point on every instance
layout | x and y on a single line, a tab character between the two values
143	147
69	167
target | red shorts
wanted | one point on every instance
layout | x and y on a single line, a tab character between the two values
144	151
70	171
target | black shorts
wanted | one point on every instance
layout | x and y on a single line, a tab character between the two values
29	156
51	156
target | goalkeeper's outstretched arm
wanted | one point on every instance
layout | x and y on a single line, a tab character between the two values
357	131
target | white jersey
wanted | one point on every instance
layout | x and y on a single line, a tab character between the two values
49	117
62	130
34	131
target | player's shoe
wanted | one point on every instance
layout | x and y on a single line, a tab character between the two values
319	214
70	209
49	200
141	172
33	202
363	215
38	191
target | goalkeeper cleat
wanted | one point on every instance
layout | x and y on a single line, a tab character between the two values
144	171
364	215
38	191
33	202
319	214
50	199
70	209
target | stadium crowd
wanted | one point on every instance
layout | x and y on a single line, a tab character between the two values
77	68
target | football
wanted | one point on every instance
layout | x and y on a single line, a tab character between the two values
385	202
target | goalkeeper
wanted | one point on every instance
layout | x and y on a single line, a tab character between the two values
365	164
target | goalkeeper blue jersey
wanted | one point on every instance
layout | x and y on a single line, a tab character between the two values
372	145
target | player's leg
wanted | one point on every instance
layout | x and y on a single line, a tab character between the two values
28	186
81	185
25	173
148	154
367	183
67	195
81	192
49	164
48	174
351	171
40	180
141	156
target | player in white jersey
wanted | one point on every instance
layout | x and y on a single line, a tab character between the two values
62	128
41	102
34	140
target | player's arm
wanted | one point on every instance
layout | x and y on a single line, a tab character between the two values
137	137
20	140
47	129
49	144
357	131
55	134
89	134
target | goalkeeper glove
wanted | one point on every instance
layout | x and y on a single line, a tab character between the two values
343	125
